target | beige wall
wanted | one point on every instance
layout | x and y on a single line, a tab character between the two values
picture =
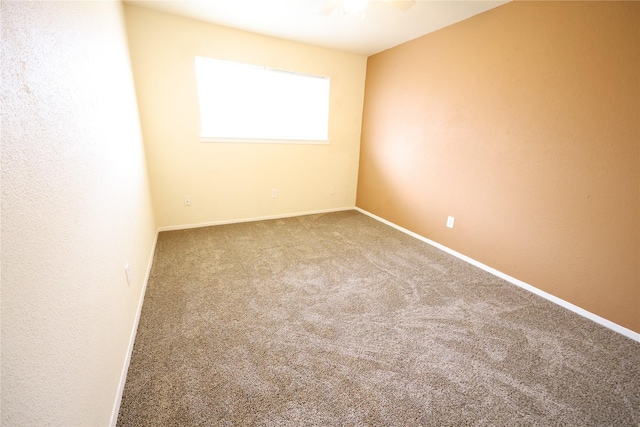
228	181
75	208
524	124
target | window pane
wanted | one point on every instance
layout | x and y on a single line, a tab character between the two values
249	102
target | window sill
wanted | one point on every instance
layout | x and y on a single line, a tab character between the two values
265	141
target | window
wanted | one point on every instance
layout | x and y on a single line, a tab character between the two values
240	102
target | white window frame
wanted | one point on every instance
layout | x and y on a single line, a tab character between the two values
255	98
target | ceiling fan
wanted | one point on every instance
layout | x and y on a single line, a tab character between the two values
359	6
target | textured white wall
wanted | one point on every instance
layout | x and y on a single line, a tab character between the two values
75	208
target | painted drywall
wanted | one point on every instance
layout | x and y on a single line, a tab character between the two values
231	181
75	208
524	124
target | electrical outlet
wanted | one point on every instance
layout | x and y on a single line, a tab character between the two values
127	271
274	193
187	201
450	221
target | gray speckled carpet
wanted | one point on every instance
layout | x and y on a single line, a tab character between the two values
339	320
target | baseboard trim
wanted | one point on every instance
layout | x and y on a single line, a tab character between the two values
582	312
260	218
132	338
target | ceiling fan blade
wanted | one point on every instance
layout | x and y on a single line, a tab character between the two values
328	7
401	4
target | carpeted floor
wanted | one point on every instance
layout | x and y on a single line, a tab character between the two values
339	320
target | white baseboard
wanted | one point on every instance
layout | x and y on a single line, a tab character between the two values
132	338
582	312
261	218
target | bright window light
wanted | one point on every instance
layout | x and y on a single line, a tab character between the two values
246	102
354	6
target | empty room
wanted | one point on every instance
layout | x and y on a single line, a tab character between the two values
320	212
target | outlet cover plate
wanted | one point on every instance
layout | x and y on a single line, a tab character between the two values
450	221
127	271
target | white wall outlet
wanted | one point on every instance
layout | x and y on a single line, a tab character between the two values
450	221
274	193
127	271
187	201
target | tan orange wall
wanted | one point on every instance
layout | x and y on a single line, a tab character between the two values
524	124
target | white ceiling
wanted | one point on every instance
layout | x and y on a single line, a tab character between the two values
383	27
